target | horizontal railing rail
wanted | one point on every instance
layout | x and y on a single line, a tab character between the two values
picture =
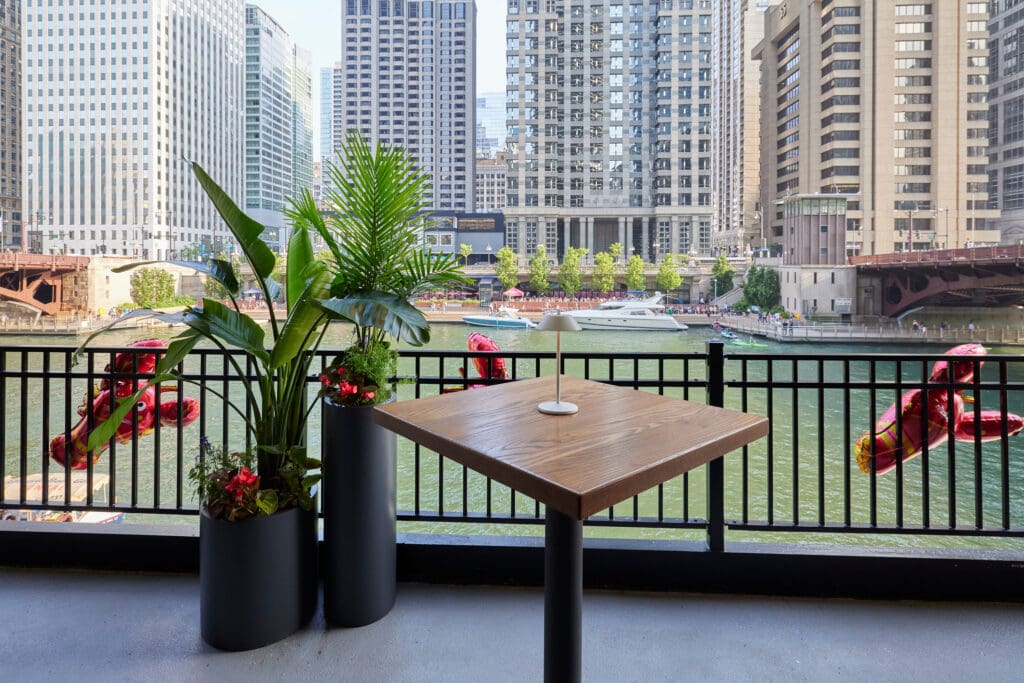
803	477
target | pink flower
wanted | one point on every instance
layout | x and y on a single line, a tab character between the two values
368	394
347	388
242	482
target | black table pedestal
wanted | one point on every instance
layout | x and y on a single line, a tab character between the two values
563	598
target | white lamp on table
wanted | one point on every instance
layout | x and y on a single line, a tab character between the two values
558	322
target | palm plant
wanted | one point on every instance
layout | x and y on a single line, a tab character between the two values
377	209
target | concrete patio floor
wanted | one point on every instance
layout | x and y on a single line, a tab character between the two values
92	626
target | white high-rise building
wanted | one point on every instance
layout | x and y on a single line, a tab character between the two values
609	126
407	77
278	123
116	97
302	119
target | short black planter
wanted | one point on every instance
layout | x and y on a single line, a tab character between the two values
257	578
358	489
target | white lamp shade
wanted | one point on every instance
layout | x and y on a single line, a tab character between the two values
557	322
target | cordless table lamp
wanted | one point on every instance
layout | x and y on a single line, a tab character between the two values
558	322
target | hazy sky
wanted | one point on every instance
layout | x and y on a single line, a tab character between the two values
316	26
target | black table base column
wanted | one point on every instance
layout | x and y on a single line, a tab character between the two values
563	597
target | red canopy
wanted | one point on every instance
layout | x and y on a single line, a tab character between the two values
515	291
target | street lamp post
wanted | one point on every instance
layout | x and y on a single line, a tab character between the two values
945	237
488	255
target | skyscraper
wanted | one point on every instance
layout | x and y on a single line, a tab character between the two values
278	122
874	119
11	223
736	124
407	77
609	126
116	96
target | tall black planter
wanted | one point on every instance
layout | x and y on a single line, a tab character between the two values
358	490
257	578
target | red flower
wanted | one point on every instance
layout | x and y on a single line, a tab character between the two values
368	395
241	483
345	388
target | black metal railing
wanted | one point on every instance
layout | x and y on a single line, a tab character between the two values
802	478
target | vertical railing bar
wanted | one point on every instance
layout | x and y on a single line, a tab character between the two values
795	373
847	436
156	441
203	432
23	446
745	460
770	465
134	382
821	443
873	421
900	454
3	416
979	508
179	455
716	468
1004	449
23	430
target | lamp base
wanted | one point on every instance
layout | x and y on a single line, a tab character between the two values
558	408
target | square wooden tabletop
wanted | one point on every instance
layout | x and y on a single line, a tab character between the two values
621	442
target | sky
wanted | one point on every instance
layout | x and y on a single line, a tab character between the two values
316	26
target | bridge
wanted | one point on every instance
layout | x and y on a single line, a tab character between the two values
979	276
36	280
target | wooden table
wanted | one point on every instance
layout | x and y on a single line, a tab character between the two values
621	442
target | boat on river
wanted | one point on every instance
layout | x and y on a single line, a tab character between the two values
505	316
628	314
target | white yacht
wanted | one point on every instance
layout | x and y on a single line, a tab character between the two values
628	314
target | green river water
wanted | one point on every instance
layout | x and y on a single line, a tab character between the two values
799	415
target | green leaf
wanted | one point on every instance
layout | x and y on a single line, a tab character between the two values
300	256
266	501
222	272
246	230
179	347
105	430
300	331
273	288
216	321
388	312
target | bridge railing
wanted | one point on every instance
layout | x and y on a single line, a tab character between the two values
1011	251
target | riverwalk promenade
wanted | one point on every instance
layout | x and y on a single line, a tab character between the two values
801	332
807	332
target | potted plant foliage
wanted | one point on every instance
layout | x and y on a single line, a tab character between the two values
258	527
374	231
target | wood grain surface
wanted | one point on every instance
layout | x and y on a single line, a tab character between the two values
620	443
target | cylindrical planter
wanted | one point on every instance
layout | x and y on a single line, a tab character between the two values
257	577
358	490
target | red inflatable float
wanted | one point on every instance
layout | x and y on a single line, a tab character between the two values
488	367
147	411
913	409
